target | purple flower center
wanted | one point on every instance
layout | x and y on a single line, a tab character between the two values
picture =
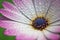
40	23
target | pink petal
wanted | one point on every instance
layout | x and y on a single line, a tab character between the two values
41	37
8	24
10	32
22	3
9	6
14	28
51	35
23	37
14	16
11	25
3	18
9	14
17	29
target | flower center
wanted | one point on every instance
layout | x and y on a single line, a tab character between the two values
40	23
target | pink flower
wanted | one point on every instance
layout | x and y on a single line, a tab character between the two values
19	17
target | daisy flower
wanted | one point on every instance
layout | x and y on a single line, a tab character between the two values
31	19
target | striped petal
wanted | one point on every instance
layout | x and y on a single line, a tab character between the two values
31	37
8	24
24	37
39	6
14	16
10	32
26	7
3	18
54	11
54	28
50	35
12	27
9	6
20	30
54	16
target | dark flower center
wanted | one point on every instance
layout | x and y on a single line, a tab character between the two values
40	23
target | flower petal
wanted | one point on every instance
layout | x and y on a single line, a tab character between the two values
24	37
35	36
18	29
14	16
41	36
39	6
13	28
8	24
3	18
55	28
54	11
26	7
9	6
50	35
54	16
10	32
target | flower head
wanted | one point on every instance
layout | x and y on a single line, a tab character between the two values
31	19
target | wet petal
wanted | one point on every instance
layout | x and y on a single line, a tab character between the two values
54	28
54	11
41	36
18	29
34	36
39	6
8	24
51	35
10	32
9	6
22	31
27	9
25	37
3	18
14	16
25	32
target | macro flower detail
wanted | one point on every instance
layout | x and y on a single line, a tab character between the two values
31	19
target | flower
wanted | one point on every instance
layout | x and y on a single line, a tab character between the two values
31	19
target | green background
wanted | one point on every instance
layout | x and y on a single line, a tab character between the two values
2	36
